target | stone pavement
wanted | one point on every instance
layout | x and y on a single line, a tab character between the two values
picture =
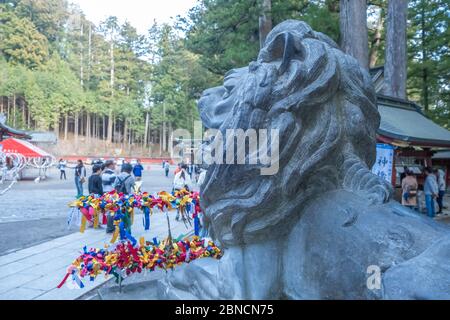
34	273
31	214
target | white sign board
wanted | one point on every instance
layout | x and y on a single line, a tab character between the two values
384	162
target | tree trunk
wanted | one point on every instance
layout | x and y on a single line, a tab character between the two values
97	123
14	111
24	120
425	93
169	135
7	107
376	42
354	34
66	126
125	133
160	141
28	119
76	128
56	125
112	71
81	56
130	138
396	56
104	128
88	126
164	143
113	127
147	121
89	53
94	127
82	124
265	21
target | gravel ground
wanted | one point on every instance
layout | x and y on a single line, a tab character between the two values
31	213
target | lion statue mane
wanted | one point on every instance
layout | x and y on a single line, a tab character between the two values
318	227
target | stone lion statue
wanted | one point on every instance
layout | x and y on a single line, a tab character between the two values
323	226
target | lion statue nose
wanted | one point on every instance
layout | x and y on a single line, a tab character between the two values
425	277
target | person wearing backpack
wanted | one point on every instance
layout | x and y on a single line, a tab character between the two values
124	184
125	181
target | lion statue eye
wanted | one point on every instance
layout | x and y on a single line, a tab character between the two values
228	89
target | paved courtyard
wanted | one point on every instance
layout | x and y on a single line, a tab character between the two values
32	213
31	270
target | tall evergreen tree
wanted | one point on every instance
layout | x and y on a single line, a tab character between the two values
395	65
354	34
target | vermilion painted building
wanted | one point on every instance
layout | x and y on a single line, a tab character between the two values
415	137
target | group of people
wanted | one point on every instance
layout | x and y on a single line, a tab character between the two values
104	178
434	189
184	175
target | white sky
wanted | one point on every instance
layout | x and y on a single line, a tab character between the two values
140	13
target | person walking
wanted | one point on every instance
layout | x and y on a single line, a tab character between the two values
108	179
431	191
409	190
137	170
80	177
442	187
95	184
167	168
62	169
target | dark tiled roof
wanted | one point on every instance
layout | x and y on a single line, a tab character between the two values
403	120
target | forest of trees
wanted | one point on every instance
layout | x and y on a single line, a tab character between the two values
107	83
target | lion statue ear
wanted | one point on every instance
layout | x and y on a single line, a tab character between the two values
280	48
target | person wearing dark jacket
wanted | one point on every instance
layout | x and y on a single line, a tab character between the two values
95	181
137	170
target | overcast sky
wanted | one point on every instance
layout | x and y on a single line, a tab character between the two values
140	13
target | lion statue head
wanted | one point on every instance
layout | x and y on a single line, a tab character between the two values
324	107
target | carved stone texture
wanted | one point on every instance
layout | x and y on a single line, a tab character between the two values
319	226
